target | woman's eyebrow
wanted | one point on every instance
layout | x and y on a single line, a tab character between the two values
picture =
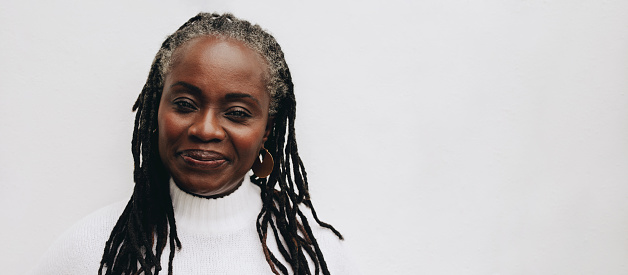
189	86
241	95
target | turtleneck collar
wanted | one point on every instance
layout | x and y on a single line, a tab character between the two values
227	214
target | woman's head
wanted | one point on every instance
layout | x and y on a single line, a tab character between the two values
232	33
213	115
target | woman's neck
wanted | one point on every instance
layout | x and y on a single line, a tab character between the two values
196	214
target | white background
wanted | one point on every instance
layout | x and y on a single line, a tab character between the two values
441	137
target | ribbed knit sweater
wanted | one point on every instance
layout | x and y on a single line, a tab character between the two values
218	236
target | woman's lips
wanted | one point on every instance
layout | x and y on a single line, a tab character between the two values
203	159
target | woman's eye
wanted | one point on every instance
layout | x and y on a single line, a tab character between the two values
238	114
184	106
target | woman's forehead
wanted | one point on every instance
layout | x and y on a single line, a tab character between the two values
218	48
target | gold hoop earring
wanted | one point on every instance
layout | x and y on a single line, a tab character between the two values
265	167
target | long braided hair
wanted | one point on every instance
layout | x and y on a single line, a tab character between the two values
147	223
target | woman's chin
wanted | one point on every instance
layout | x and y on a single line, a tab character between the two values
207	187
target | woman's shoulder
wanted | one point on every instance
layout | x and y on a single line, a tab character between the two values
79	249
103	218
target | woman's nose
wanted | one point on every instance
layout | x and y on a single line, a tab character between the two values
207	128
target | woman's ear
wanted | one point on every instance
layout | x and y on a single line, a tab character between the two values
269	127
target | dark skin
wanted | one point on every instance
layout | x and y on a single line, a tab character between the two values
213	115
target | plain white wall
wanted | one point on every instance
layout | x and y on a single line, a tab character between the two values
441	137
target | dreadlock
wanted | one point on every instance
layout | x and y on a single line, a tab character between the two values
147	223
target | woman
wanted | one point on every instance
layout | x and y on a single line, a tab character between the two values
219	94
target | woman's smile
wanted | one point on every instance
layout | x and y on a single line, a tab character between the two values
201	159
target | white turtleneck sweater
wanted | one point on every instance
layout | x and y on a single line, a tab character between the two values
218	236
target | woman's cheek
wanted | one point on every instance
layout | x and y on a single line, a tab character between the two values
171	129
250	140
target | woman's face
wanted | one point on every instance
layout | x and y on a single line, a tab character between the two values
213	114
